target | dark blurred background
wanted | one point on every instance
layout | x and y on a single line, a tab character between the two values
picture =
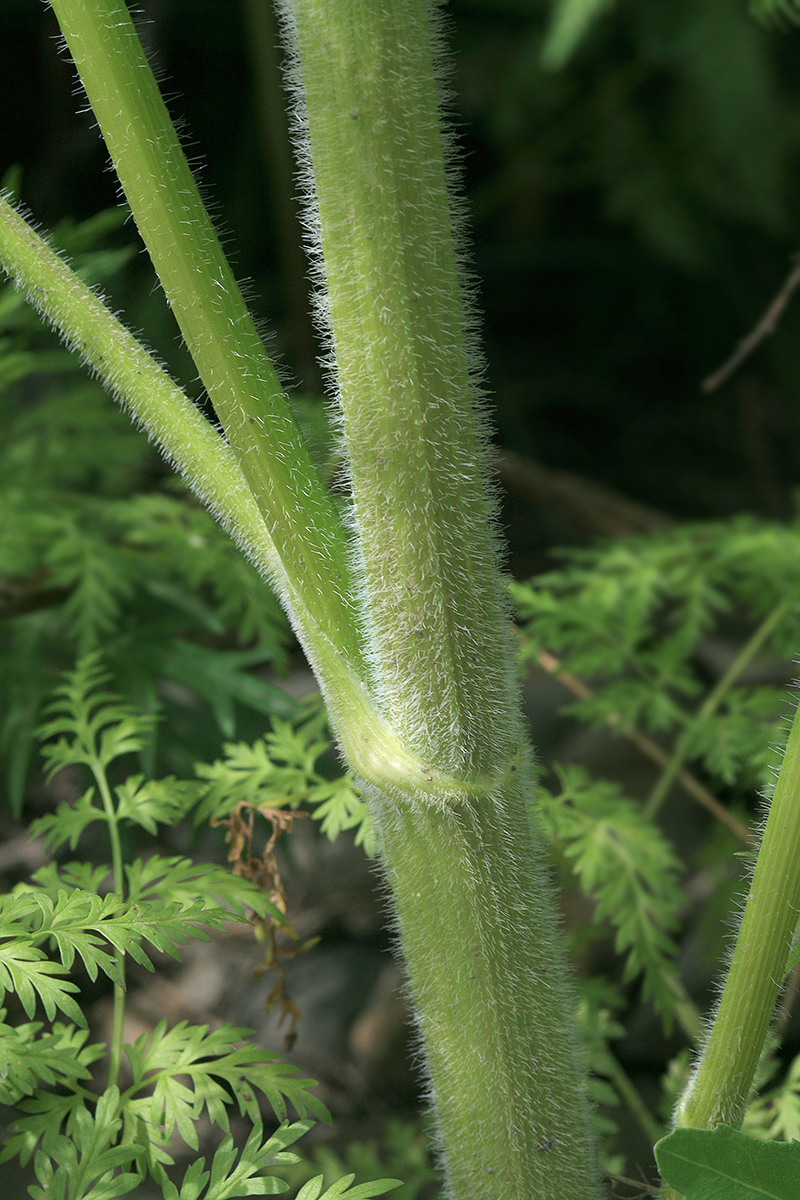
632	216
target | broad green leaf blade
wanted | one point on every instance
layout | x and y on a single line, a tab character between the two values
724	1164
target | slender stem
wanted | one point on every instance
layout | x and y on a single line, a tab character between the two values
118	875
636	1106
211	313
719	1089
713	701
263	48
197	450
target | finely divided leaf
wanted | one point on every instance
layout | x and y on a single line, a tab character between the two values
150	802
95	725
68	822
228	1178
342	1188
280	770
83	923
25	970
187	1070
29	1058
338	805
622	861
724	1164
180	881
88	1161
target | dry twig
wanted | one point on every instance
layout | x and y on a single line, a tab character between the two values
648	747
760	331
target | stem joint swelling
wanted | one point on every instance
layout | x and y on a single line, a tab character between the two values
442	757
385	764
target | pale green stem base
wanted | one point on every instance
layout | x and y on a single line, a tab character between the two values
491	987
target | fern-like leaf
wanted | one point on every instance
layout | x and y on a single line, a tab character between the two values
343	1188
42	1119
95	725
338	805
26	970
30	1058
83	923
187	1070
84	1167
68	821
623	862
281	770
181	881
776	1114
229	1178
154	802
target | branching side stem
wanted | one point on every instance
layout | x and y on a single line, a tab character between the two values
720	1087
713	701
212	315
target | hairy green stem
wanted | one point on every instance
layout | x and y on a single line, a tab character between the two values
405	370
263	48
410	635
713	701
475	911
720	1087
494	1007
203	457
211	313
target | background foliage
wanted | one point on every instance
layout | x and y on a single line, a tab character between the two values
634	212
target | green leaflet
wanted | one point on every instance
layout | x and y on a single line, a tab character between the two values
313	1189
775	12
28	1060
724	1164
624	862
282	769
97	1147
228	1177
634	613
775	1114
82	1167
213	1060
570	23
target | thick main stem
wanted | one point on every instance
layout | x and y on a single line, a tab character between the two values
477	927
475	912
